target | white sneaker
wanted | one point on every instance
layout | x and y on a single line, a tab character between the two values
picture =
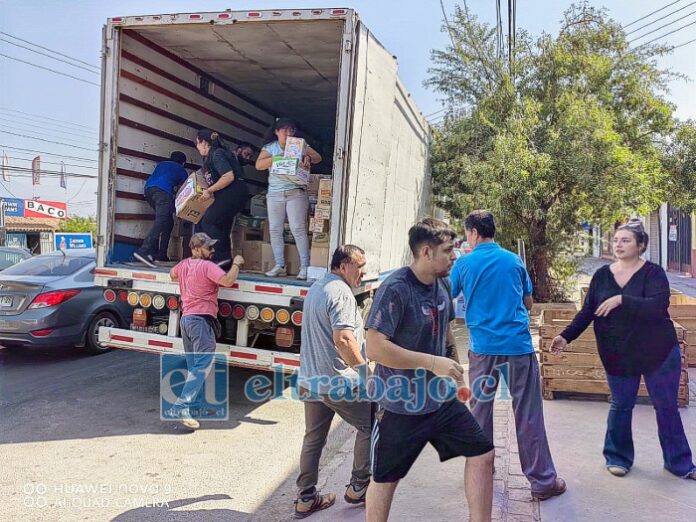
303	273
277	271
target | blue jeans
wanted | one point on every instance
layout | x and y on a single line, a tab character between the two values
199	348
663	385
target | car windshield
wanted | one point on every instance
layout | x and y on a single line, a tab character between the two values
10	257
51	265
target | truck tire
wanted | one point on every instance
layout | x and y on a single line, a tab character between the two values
106	319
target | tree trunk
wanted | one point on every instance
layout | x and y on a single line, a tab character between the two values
539	262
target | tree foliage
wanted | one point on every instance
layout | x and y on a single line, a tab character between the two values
80	224
561	134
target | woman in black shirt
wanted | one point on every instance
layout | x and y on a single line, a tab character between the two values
628	302
227	187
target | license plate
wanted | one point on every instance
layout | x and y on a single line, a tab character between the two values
5	300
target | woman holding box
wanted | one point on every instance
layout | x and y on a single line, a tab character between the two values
286	197
227	187
628	302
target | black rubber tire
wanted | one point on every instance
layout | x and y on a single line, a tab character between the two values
92	345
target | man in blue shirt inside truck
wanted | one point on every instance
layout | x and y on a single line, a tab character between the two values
160	189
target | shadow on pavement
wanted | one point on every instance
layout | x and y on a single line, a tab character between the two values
59	394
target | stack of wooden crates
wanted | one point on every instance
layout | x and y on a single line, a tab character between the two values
578	370
682	309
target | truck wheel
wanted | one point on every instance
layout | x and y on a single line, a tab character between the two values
106	319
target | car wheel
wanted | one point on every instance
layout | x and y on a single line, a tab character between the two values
106	319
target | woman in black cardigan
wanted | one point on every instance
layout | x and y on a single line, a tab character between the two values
628	302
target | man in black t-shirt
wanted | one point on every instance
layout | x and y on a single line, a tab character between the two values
410	338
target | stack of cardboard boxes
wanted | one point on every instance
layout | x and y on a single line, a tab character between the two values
320	190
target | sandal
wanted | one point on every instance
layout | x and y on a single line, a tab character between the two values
305	507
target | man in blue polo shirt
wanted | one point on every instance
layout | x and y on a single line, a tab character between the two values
160	189
498	294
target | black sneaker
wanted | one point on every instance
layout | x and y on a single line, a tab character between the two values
145	258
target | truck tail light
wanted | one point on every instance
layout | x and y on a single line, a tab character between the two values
283	316
53	298
284	336
296	318
225	309
133	298
109	295
145	300
123	296
172	302
252	313
159	302
267	314
238	312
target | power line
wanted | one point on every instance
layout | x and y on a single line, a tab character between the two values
683	44
48	49
661	18
48	69
49	56
650	14
31	128
47	141
662	27
667	34
8	190
54	163
436	112
5	109
44	134
51	173
49	153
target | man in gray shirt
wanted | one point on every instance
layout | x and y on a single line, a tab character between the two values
333	345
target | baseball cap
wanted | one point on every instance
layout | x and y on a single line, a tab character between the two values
201	239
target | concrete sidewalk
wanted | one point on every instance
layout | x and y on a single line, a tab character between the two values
647	494
434	491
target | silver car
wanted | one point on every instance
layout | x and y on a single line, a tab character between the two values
12	255
50	300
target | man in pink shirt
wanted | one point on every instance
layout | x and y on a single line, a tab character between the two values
199	279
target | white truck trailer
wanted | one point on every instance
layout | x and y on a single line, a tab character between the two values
165	76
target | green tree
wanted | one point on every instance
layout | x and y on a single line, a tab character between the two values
680	160
80	224
562	133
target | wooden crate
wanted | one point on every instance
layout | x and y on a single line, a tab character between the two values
569	358
579	346
551	387
686	330
677	311
558	325
549	315
681	299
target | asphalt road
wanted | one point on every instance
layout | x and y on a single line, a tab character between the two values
82	439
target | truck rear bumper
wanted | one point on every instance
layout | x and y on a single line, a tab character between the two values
240	356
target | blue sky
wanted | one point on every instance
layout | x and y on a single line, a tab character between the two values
408	28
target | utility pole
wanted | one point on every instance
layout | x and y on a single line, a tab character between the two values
3	230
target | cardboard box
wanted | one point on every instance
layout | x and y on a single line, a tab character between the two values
318	226
292	260
313	184
319	255
322	212
316	272
242	233
320	238
289	169
325	188
258	256
189	203
258	206
294	148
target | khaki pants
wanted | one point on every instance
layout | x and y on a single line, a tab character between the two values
318	416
